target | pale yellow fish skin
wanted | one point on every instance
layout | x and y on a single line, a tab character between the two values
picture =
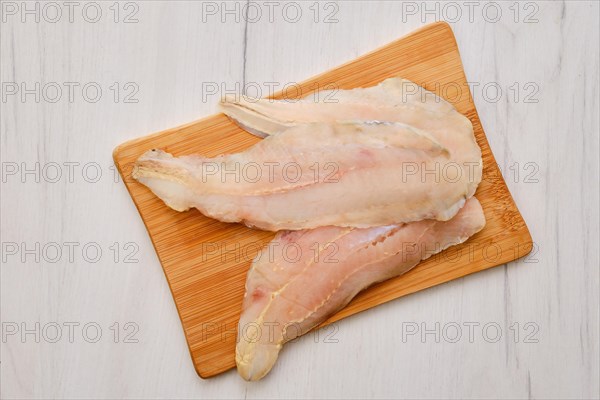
367	174
287	295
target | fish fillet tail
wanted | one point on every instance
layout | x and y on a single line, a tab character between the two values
242	112
160	172
254	360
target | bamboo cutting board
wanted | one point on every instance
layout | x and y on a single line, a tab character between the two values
205	261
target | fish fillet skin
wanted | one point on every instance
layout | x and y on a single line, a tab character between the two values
343	174
394	99
302	277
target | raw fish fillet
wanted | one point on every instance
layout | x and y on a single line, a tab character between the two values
394	100
303	277
343	174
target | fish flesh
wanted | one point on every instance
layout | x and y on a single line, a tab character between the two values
290	292
394	100
350	174
302	277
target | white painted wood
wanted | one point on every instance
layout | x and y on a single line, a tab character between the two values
174	57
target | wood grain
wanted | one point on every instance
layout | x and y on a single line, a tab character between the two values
205	261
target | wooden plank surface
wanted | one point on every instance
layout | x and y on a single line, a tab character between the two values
205	261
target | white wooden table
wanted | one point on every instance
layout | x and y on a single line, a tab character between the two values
85	309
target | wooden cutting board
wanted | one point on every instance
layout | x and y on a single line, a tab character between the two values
205	261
